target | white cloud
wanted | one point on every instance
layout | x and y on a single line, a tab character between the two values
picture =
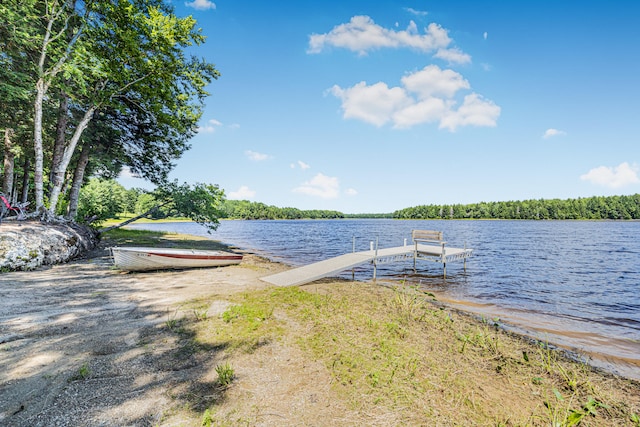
130	180
210	127
125	172
322	186
485	35
552	132
613	177
361	35
302	165
426	96
243	193
256	157
201	4
474	111
350	192
453	56
428	111
433	81
416	12
373	104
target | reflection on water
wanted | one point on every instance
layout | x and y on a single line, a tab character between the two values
573	283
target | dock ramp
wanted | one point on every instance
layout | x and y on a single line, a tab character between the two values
332	266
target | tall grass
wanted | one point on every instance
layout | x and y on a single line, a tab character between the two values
396	351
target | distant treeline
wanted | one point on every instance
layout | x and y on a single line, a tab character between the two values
611	207
598	207
243	209
369	215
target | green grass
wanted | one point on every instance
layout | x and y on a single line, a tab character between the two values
398	351
128	237
82	373
225	374
122	218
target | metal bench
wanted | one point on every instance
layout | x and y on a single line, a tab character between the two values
429	244
428	236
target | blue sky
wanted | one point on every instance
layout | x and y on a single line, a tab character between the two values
363	106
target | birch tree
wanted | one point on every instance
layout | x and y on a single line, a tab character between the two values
127	56
137	52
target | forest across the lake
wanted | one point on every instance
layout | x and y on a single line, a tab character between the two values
588	208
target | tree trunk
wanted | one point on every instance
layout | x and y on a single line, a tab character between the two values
59	172
129	221
55	13
9	160
61	131
25	180
41	88
78	177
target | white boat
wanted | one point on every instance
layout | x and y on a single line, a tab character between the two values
140	259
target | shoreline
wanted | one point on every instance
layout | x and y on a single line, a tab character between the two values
83	343
609	364
513	323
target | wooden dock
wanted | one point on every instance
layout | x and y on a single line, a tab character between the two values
332	266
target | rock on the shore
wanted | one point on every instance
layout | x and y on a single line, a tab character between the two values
30	244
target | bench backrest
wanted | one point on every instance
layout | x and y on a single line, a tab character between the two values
5	203
427	235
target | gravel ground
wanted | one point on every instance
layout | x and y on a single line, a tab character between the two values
83	344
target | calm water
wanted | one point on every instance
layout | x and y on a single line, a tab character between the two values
573	283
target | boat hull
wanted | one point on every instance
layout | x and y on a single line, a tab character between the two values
141	259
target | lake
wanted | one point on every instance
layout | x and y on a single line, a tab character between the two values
575	284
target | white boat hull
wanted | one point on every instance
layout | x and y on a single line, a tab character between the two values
140	259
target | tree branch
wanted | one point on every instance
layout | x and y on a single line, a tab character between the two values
129	221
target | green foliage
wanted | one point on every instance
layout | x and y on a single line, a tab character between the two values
225	374
369	215
200	202
207	418
612	207
101	199
144	203
82	373
244	209
106	198
124	64
131	199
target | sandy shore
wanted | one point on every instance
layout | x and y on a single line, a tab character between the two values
85	316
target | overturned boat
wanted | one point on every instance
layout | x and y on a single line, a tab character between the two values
141	259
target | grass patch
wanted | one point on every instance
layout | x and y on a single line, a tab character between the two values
225	374
395	350
122	218
129	237
82	373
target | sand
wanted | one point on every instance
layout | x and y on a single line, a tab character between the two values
83	344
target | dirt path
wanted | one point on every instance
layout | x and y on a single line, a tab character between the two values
83	344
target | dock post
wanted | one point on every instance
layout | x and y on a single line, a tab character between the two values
444	261
375	261
464	260
353	250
